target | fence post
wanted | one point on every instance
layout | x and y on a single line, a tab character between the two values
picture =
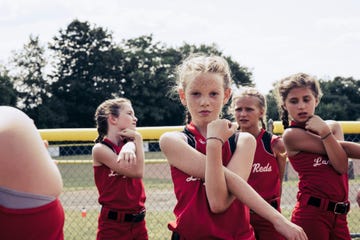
351	174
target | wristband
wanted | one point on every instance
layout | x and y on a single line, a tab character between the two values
324	137
216	138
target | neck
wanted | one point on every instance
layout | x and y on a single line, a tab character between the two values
252	130
201	128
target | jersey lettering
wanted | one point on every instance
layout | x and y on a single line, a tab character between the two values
320	161
191	179
257	168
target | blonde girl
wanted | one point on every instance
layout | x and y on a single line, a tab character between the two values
211	188
249	108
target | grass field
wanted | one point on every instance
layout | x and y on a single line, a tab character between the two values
80	191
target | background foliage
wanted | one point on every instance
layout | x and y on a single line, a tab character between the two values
60	84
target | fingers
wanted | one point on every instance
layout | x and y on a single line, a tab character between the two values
127	133
127	158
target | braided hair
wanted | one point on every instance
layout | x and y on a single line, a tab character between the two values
102	113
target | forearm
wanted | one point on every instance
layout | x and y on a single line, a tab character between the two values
335	153
215	184
246	194
352	149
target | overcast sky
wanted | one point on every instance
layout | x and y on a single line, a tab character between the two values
273	38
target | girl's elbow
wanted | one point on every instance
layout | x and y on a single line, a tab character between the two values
217	207
139	173
342	169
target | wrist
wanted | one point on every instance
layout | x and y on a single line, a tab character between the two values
215	139
326	135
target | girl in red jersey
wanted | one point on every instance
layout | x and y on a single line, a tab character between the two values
316	154
30	182
118	160
205	207
267	172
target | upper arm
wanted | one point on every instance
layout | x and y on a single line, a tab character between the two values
243	157
297	140
102	154
278	148
181	155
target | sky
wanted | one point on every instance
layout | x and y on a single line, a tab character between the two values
272	38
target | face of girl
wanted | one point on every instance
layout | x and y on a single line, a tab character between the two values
247	112
301	104
126	117
204	97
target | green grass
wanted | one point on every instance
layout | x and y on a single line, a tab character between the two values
78	181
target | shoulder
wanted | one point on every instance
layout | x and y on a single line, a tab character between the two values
336	129
277	145
291	134
295	138
334	125
172	135
246	137
100	148
171	138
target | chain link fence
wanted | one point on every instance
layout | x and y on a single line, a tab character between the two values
79	197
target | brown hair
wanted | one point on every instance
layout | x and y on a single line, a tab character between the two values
299	80
103	111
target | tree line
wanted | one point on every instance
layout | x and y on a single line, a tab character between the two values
60	84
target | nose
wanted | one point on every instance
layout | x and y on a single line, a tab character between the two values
242	112
301	104
204	101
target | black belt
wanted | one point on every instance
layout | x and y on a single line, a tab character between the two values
335	207
127	217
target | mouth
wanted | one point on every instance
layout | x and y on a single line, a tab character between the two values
303	115
243	121
205	112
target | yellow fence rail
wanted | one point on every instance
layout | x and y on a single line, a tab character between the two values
154	133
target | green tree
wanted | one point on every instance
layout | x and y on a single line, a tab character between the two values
272	107
28	66
7	90
341	99
149	74
88	71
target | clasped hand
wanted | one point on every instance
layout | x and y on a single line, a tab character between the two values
318	125
221	128
127	155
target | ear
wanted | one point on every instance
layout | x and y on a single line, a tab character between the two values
112	119
317	102
262	113
182	96
227	95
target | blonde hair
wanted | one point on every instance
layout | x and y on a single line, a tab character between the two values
197	64
298	80
251	92
102	113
